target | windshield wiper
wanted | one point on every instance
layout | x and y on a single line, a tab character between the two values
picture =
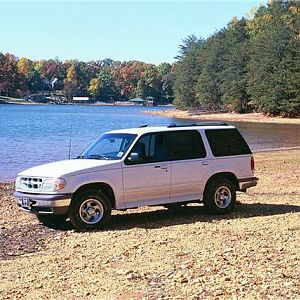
96	156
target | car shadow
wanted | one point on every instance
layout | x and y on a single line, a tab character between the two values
159	218
31	238
191	214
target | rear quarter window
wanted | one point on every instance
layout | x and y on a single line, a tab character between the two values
226	142
185	144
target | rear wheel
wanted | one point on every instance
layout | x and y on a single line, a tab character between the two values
53	221
90	209
220	197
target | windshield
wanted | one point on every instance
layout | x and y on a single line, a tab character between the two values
109	146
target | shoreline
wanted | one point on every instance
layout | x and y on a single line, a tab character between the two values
98	103
186	115
227	117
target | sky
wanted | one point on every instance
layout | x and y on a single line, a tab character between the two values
121	30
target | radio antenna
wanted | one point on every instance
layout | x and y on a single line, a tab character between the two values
70	141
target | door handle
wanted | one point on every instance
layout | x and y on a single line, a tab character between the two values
163	167
205	162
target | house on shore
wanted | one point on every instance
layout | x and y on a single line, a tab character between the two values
137	101
141	102
81	100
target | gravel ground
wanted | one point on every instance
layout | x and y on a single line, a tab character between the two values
152	253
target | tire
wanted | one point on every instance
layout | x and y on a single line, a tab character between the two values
53	221
219	197
90	210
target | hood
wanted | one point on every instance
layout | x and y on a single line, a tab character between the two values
70	167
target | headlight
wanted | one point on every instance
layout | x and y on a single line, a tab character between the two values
48	185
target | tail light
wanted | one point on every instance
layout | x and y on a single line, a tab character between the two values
252	164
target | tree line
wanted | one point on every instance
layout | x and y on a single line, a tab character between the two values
105	80
250	65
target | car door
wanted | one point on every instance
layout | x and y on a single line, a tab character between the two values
190	167
147	180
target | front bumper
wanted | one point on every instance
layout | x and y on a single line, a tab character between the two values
44	204
246	183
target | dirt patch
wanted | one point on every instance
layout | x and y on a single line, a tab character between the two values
153	253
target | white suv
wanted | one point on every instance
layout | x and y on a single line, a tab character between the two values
128	168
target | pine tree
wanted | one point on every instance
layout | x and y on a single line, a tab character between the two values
207	89
187	72
233	76
271	60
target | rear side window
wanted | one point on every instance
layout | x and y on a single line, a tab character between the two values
185	144
226	142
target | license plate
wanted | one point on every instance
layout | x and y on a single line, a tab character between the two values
25	202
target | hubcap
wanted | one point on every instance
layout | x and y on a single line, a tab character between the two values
223	197
91	211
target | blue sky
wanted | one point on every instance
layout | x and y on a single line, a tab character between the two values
148	31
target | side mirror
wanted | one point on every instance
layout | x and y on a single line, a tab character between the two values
134	157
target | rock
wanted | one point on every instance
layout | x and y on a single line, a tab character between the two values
184	280
123	272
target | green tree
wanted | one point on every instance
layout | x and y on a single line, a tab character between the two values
273	67
141	89
83	76
188	70
187	44
165	73
207	88
34	81
249	64
103	87
233	74
151	81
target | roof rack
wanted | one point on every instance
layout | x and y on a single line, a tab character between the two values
200	124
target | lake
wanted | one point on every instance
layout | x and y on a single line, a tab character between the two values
34	134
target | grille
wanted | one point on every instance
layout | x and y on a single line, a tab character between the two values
31	183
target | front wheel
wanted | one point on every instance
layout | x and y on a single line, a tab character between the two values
90	210
219	197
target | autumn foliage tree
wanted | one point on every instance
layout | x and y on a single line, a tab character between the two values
11	81
104	80
71	83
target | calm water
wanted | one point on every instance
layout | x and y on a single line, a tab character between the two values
31	135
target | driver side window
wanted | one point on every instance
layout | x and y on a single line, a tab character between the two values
149	148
